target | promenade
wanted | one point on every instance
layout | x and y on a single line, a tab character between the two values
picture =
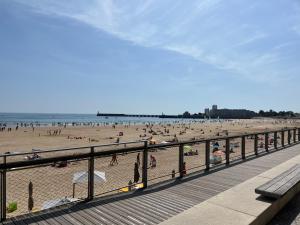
159	203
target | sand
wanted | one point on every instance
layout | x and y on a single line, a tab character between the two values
52	183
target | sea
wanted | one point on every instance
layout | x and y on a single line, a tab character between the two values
54	119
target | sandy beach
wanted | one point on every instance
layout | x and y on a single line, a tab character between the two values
53	183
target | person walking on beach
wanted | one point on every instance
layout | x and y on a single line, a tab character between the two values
114	160
136	173
138	160
152	161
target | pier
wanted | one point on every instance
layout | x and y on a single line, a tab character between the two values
137	115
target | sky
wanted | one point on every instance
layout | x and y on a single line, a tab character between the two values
148	56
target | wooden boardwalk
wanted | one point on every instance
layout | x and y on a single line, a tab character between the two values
159	203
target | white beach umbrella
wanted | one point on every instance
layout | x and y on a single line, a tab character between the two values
58	202
82	177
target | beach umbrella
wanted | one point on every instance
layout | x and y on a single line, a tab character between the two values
57	202
187	148
82	177
30	198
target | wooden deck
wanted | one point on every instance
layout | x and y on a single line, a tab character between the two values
159	203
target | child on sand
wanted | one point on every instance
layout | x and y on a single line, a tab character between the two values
152	161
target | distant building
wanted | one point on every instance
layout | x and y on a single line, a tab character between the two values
206	112
233	114
214	108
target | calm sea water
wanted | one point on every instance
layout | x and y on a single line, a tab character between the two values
45	119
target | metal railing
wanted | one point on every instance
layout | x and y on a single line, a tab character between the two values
92	159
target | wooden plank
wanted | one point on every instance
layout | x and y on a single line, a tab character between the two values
54	217
77	217
122	215
88	217
165	193
291	183
281	184
166	204
277	178
66	218
173	200
150	216
93	215
127	214
156	210
138	213
142	209
284	181
154	206
105	216
115	216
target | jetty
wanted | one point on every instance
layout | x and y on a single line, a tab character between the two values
137	115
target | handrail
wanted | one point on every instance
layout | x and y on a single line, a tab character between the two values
68	149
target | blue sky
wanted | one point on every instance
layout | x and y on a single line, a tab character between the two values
148	56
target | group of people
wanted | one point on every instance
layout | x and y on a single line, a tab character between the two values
4	128
137	164
54	133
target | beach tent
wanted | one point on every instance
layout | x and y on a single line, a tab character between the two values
57	202
82	177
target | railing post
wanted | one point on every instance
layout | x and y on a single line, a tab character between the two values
289	137
3	192
282	138
227	152
275	139
181	160
145	165
91	165
294	135
243	147
207	154
255	144
267	142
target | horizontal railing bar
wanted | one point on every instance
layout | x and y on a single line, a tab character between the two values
70	149
17	164
10	165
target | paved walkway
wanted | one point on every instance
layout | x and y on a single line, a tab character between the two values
155	205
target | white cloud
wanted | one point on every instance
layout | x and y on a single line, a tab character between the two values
211	31
251	39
